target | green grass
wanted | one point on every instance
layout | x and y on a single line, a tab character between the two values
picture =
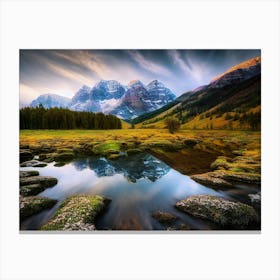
109	147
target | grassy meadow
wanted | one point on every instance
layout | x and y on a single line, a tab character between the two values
188	151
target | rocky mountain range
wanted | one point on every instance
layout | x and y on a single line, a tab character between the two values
111	97
231	99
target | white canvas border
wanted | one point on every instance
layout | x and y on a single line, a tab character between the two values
153	24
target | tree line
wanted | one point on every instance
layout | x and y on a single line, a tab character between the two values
60	118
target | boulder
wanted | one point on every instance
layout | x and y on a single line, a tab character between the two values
29	190
34	204
190	143
221	211
212	179
23	174
244	177
45	181
25	155
77	213
226	178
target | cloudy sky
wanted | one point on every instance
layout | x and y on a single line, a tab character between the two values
63	72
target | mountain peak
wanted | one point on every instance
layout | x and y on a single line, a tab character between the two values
49	100
243	65
135	83
85	88
155	83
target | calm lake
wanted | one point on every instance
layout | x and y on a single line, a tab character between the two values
138	185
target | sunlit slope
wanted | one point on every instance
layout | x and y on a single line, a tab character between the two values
234	106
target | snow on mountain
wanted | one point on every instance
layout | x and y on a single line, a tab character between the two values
111	97
51	100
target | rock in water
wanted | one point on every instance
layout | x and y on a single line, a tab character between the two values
77	213
211	179
45	181
34	204
23	174
164	218
33	163
31	183
25	155
227	213
256	199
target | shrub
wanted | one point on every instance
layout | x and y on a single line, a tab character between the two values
172	124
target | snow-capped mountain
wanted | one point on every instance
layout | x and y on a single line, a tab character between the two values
111	97
141	99
51	100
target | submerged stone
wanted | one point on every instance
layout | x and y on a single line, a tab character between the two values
34	204
224	212
164	218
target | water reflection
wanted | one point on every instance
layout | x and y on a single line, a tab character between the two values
133	168
138	185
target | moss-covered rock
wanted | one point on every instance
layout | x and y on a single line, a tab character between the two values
250	178
226	178
33	163
213	179
34	204
32	185
83	149
77	213
64	156
64	150
32	189
59	164
164	218
224	212
23	174
220	163
25	155
107	148
45	181
190	143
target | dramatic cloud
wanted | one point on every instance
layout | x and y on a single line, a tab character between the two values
63	72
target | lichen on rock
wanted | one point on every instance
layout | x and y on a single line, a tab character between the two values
224	212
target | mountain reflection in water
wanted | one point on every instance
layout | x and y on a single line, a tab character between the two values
136	167
137	184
